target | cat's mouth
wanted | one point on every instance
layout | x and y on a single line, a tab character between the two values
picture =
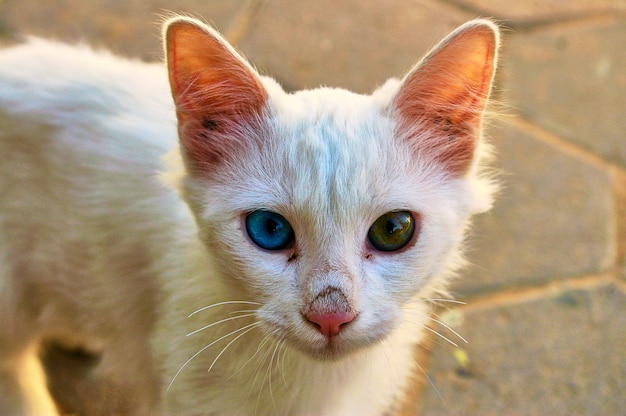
351	338
329	327
328	348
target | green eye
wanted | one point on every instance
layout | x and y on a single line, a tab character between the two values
392	231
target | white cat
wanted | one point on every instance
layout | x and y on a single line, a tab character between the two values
288	266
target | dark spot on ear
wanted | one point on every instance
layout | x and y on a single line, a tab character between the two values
210	124
445	123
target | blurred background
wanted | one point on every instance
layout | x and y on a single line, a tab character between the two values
545	312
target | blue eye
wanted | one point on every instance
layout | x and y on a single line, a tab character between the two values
269	230
392	231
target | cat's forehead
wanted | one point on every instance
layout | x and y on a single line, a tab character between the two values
327	118
335	148
334	102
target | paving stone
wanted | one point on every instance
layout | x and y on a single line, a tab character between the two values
350	44
129	27
554	218
620	194
570	79
542	10
562	355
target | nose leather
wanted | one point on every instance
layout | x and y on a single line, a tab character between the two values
330	323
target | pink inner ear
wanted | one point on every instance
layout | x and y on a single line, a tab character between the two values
218	96
442	100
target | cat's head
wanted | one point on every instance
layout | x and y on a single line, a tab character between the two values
333	210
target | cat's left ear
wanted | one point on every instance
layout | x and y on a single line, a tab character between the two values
219	97
440	103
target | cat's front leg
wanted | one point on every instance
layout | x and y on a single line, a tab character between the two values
23	390
23	385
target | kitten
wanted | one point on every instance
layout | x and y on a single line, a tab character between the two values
286	261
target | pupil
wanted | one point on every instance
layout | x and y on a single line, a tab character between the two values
392	226
271	226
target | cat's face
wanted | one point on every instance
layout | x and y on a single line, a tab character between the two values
323	205
337	182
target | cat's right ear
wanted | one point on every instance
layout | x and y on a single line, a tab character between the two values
218	96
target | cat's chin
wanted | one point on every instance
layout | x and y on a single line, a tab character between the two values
332	354
334	348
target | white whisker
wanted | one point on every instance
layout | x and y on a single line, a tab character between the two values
282	364
448	328
231	302
426	327
385	350
430	318
219	322
228	345
207	347
446	301
429	380
243	311
263	341
258	370
269	376
370	362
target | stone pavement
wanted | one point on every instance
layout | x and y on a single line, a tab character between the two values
545	312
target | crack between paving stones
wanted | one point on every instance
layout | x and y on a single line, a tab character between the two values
521	24
521	294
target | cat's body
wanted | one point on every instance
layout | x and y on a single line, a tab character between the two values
97	252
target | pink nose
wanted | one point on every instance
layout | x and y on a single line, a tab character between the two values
329	324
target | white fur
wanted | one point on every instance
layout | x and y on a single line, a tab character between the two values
95	251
